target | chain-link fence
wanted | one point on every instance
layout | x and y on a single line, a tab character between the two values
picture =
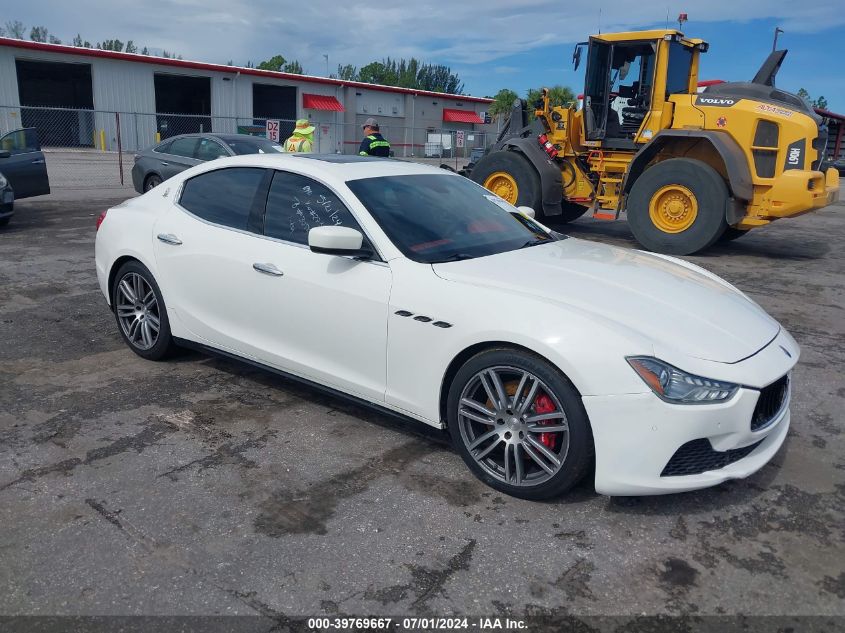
95	149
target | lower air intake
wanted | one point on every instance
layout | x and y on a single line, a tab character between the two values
698	456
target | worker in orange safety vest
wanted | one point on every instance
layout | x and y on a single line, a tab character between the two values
302	139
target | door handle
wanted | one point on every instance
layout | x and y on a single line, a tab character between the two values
165	163
268	269
38	161
169	238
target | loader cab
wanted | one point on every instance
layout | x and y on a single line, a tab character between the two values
627	79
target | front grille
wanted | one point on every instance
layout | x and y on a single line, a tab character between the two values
766	134
765	161
698	456
769	404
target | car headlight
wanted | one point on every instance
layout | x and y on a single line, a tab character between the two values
677	386
3	181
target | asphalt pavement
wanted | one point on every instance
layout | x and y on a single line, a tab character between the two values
201	486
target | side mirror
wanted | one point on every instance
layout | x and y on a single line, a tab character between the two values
337	240
527	211
5	153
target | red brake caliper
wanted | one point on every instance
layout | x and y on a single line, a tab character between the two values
544	404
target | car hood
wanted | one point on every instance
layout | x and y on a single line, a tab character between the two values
673	303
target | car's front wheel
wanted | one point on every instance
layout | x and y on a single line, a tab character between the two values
140	312
519	424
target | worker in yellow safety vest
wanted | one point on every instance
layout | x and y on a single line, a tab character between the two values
302	139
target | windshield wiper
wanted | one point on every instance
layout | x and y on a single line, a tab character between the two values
535	242
455	257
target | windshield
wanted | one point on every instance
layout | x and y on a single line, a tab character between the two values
435	218
254	146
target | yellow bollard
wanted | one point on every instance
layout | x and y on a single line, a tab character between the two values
158	137
102	140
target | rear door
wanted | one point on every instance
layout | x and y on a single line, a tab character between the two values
204	246
181	154
25	167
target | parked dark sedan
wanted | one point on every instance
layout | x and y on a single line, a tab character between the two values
23	170
178	153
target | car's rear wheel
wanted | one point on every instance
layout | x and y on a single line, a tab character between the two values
5	221
519	424
140	312
152	181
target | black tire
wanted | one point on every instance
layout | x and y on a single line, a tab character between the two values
151	181
579	454
732	234
711	195
569	212
518	167
164	345
5	221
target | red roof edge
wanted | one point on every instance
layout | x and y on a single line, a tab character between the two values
181	63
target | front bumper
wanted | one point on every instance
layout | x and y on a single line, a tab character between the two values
794	192
636	435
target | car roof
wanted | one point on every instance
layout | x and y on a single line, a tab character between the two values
335	166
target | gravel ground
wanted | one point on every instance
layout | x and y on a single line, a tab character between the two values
201	486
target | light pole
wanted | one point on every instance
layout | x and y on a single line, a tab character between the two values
326	55
775	42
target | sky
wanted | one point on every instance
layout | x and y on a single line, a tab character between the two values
490	44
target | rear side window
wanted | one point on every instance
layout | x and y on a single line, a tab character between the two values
209	150
223	196
184	147
297	204
164	148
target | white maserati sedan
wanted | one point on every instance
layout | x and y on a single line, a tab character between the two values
417	292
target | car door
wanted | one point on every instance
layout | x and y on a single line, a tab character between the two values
319	316
24	167
180	155
209	149
204	249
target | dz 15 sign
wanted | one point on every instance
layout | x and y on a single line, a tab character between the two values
273	130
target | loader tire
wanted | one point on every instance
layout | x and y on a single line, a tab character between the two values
677	207
569	211
510	176
732	234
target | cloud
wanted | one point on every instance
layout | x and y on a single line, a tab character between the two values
460	34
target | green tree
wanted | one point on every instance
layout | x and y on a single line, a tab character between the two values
38	34
279	64
821	102
78	41
15	29
558	96
54	40
130	47
145	51
111	45
502	103
347	72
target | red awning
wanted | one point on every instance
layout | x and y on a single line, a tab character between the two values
461	116
321	102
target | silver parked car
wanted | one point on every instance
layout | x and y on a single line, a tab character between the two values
178	153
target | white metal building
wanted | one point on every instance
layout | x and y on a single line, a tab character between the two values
93	85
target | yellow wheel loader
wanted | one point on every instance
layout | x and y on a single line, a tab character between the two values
688	168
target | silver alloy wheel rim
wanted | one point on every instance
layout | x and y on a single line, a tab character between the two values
138	311
502	431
